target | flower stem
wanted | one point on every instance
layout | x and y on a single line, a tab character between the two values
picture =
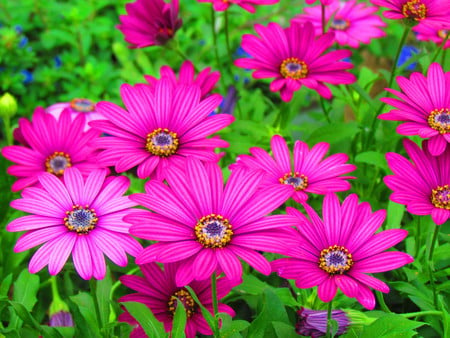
325	111
8	131
227	39
329	310
93	287
430	264
213	31
421	313
55	292
380	299
324	29
215	302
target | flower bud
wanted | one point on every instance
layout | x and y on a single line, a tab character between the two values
8	106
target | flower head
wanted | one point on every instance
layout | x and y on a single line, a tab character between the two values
208	227
310	173
50	146
248	5
295	57
313	323
82	217
424	185
162	127
150	22
435	34
159	292
339	250
352	23
424	105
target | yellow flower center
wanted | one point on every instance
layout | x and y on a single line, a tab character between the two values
439	119
340	24
213	231
335	260
415	10
185	298
298	181
82	105
57	162
293	68
80	219
162	142
440	197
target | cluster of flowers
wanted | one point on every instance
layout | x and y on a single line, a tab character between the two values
202	226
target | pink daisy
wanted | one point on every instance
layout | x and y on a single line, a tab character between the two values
76	107
162	127
50	146
438	36
206	79
208	227
424	106
424	185
310	173
82	217
352	23
426	12
339	250
294	57
159	292
149	22
248	5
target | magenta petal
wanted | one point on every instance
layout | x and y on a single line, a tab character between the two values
230	264
366	297
370	281
327	290
348	285
384	261
205	264
253	258
82	258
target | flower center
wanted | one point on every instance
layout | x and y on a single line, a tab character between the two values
335	260
439	119
57	163
213	231
340	24
81	220
82	105
166	30
415	10
162	142
443	33
184	297
440	197
293	68
298	181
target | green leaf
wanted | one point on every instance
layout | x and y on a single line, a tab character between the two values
5	285
334	133
205	312
231	328
251	285
395	213
82	327
391	325
25	315
284	330
374	158
151	326
179	321
26	288
86	308
102	293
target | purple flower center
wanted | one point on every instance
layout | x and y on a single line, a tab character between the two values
340	24
443	33
335	260
162	142
185	298
439	119
82	105
57	163
213	231
81	220
440	197
293	68
298	181
414	10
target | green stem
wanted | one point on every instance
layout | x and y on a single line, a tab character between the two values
324	29
55	292
8	131
213	31
418	232
325	111
380	299
441	49
421	313
431	266
215	302
227	39
330	308
93	287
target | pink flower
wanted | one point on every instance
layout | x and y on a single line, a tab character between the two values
159	292
353	23
149	22
424	185
424	12
248	5
438	36
339	250
293	56
50	146
208	227
162	127
424	105
309	174
206	79
76	107
78	217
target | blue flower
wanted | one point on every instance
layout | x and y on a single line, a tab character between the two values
28	76
58	61
407	53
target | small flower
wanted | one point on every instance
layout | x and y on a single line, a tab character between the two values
310	173
313	323
248	5
423	185
162	127
50	146
424	105
435	34
339	250
150	22
208	227
407	53
352	23
159	292
78	217
62	318
293	56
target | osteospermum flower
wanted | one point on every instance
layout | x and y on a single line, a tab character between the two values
424	105
423	185
159	292
149	22
248	5
413	12
294	57
208	227
339	251
82	217
205	79
76	107
313	323
310	173
435	34
352	23
50	146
